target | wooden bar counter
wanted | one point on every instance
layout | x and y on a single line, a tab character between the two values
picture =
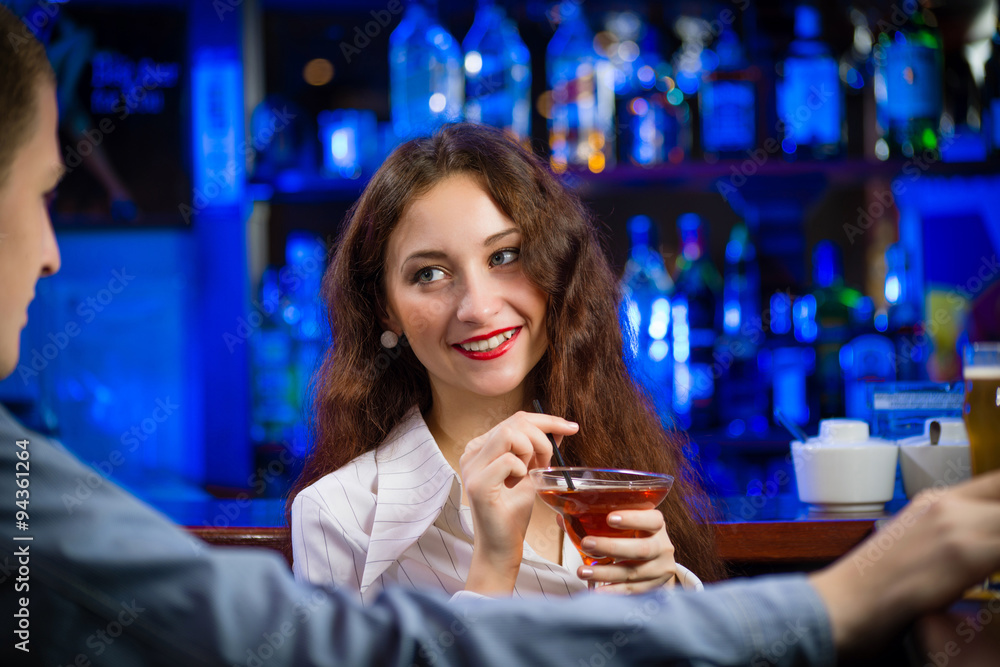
787	539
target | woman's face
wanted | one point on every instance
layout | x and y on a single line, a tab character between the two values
455	288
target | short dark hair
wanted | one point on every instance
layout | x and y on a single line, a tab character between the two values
25	66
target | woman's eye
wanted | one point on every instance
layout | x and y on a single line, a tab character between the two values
502	257
428	275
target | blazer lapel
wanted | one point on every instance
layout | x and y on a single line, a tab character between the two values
414	481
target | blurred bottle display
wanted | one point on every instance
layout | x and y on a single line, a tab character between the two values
497	72
908	84
833	304
582	123
694	315
426	83
653	117
274	409
742	403
646	311
865	360
789	362
991	99
349	138
291	339
282	138
727	100
857	73
809	94
905	317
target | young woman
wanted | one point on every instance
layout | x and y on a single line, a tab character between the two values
469	281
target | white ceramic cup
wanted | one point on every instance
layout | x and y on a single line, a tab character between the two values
843	469
926	466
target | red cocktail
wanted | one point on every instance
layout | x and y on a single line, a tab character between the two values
596	493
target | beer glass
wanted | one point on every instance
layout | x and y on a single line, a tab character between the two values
981	412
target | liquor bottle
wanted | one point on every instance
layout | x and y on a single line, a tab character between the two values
727	102
694	315
653	116
303	314
832	304
809	95
646	287
426	84
633	53
908	86
857	75
497	72
742	404
905	326
582	123
865	360
789	363
991	99
274	410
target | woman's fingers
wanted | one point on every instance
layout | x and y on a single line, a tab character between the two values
650	543
641	563
623	548
629	578
524	434
650	520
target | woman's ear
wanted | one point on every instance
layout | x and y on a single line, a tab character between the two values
388	320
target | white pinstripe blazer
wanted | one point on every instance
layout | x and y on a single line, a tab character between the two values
393	517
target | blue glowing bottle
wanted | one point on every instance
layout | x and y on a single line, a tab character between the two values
646	289
833	304
652	115
742	403
789	363
809	95
728	102
497	72
582	115
866	360
905	317
301	277
991	99
426	84
694	316
909	79
274	410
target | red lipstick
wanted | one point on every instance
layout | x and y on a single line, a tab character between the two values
486	355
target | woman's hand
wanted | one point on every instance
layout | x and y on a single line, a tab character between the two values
643	563
942	543
494	469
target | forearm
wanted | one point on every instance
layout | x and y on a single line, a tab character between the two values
492	576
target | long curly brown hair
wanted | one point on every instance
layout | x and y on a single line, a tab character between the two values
362	391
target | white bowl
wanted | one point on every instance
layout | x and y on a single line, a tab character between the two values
845	470
926	466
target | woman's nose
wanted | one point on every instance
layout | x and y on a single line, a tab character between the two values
480	299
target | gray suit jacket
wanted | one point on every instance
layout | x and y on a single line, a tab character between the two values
110	581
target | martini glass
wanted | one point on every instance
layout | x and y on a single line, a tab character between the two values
585	496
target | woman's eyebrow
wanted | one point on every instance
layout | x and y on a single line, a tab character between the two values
437	254
490	240
424	254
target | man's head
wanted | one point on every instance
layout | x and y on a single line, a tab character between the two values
30	167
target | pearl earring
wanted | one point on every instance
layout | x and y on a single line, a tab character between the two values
389	339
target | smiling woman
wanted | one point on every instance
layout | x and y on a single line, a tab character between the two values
467	251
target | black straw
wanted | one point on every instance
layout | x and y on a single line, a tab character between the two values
555	448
